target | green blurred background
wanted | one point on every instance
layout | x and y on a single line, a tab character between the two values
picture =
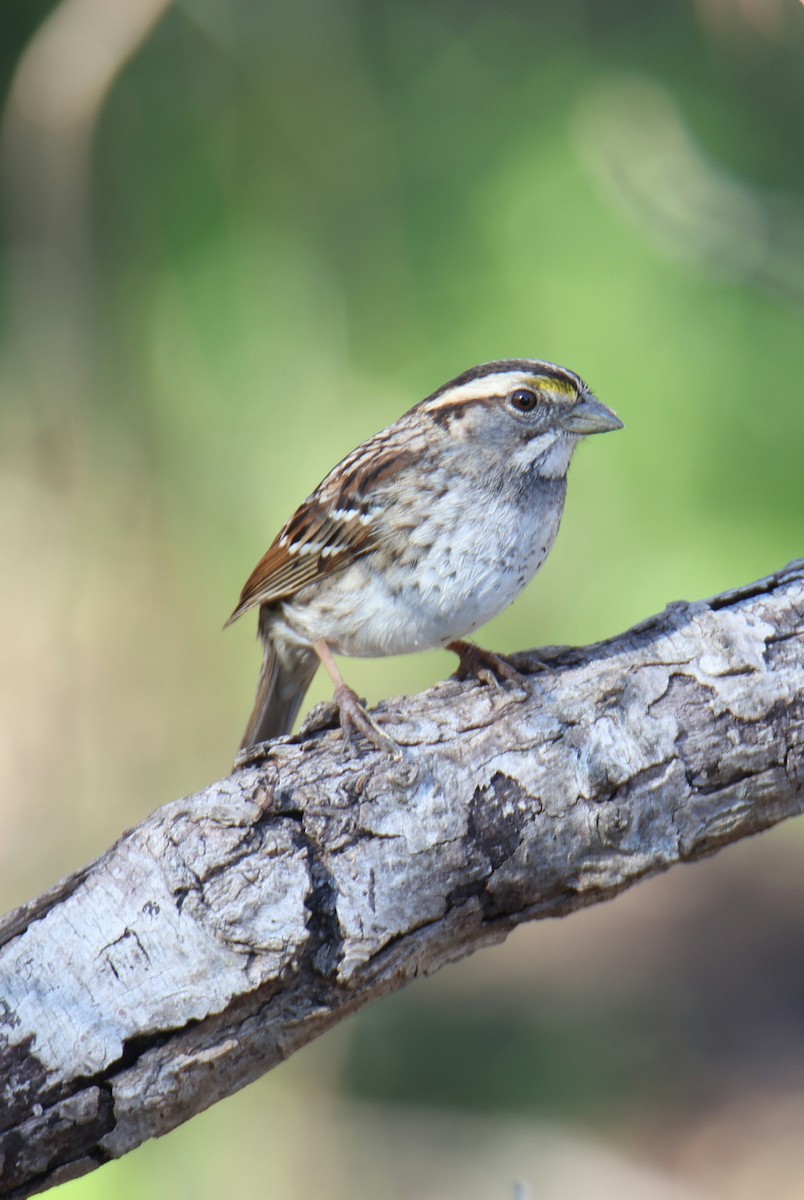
239	238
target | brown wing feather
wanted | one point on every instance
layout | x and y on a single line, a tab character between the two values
332	528
287	567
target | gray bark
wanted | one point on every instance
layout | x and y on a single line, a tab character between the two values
231	928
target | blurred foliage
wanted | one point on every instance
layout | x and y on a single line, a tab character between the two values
279	227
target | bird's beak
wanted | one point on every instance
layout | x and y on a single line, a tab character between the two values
590	416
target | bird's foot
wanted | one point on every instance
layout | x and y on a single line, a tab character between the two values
485	665
355	719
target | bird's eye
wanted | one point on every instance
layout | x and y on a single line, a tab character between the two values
524	400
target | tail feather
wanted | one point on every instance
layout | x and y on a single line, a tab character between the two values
283	684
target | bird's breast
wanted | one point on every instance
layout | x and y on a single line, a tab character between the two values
439	573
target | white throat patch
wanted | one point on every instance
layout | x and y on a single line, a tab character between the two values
553	449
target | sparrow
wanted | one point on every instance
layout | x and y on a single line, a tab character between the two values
419	536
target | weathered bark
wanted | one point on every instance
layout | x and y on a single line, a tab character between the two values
229	929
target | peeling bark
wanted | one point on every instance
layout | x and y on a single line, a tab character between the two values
232	927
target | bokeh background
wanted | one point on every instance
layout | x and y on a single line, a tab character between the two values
237	239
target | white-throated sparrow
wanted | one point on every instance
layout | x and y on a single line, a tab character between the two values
420	535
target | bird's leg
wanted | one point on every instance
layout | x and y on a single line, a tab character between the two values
484	665
354	717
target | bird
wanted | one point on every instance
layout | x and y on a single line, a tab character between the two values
418	537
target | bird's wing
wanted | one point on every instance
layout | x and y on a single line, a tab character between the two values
337	524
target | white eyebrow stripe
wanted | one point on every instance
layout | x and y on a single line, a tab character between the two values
476	389
500	384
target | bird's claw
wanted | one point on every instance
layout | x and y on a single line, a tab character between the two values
355	719
485	665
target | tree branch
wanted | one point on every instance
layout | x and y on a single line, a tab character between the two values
231	928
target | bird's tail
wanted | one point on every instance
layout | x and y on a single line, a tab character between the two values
284	680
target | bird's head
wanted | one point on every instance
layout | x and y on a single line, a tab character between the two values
530	411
